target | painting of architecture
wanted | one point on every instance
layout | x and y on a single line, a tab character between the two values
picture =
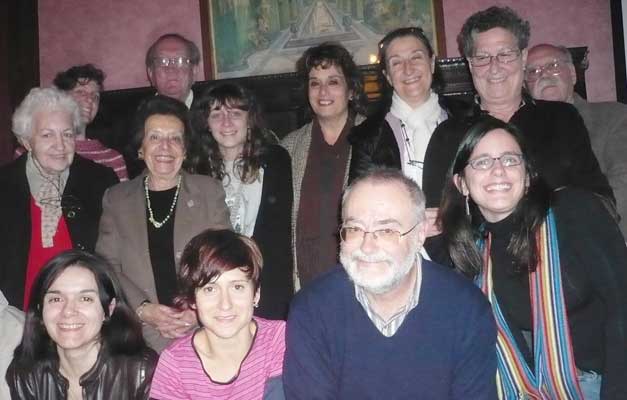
259	37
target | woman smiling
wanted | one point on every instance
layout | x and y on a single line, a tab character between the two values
233	355
147	221
81	340
551	263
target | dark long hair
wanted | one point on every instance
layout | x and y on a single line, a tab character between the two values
207	158
121	331
461	232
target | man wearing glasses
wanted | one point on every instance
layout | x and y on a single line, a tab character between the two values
550	75
172	65
387	324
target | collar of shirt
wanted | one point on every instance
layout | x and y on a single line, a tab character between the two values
390	327
189	99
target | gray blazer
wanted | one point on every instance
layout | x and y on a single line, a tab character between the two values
607	126
123	234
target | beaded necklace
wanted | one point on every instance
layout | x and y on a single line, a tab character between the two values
151	216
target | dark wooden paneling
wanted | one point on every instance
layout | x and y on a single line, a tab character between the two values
282	96
19	63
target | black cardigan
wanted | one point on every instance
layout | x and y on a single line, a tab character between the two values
82	206
273	234
556	139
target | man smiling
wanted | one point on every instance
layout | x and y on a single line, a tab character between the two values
388	324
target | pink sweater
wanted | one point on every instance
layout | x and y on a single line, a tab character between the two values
180	374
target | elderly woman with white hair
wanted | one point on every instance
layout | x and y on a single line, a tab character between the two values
52	198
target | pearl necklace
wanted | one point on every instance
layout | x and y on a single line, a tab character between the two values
151	216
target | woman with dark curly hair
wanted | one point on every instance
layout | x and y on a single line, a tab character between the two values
321	155
257	180
81	339
551	263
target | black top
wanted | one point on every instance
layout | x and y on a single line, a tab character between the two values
81	203
593	261
273	234
119	377
161	245
556	138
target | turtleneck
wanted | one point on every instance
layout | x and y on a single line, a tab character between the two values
511	289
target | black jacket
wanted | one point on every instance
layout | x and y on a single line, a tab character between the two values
118	377
373	142
556	139
82	206
273	234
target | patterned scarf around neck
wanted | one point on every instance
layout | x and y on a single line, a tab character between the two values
554	375
47	190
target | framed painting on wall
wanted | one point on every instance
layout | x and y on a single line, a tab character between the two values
262	37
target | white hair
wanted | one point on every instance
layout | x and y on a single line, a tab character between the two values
379	175
43	99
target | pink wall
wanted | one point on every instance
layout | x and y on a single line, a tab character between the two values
571	23
114	34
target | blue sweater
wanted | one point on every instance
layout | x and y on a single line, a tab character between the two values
445	348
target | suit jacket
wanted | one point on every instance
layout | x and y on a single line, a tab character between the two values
297	144
81	204
273	234
607	126
123	234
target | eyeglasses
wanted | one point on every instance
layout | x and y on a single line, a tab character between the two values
175	62
409	149
484	163
532	74
356	234
505	57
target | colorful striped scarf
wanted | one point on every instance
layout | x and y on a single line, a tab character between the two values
554	375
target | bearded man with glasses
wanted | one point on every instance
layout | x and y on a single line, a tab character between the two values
550	75
386	324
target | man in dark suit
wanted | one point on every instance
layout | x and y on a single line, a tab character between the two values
550	75
172	66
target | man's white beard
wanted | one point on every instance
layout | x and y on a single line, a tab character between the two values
393	274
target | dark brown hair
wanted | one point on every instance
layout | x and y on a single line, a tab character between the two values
211	253
330	54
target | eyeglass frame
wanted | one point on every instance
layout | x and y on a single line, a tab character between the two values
374	233
498	57
173	62
556	64
471	163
